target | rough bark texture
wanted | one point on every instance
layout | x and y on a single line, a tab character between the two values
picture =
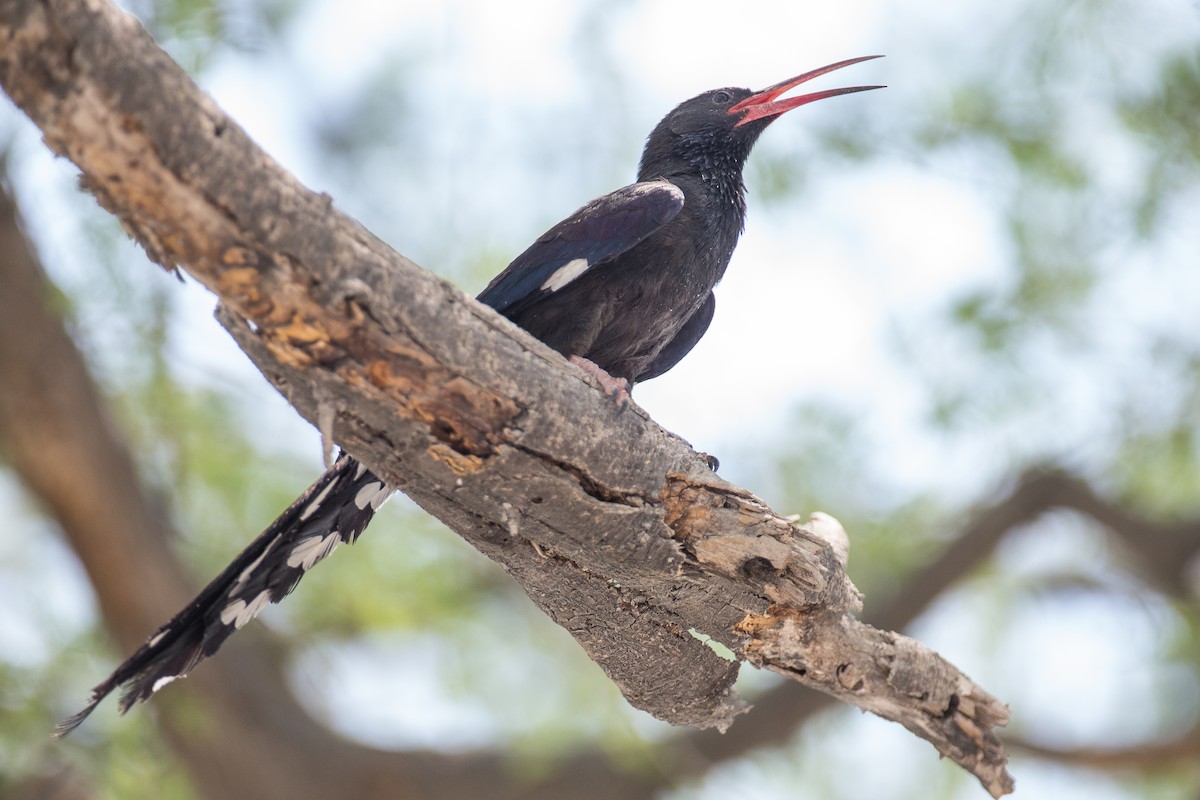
924	692
234	723
614	527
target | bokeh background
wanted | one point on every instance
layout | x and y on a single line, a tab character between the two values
964	319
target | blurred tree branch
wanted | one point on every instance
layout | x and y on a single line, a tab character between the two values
635	543
1163	551
1183	750
62	784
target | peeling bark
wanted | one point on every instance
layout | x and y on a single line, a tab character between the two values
613	526
889	675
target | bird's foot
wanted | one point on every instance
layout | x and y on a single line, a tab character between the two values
616	388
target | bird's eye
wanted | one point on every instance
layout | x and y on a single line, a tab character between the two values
721	98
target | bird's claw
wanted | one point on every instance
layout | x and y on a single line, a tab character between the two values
615	388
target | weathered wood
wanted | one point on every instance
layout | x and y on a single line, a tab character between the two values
613	526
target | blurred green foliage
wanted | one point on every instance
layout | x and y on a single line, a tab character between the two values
995	365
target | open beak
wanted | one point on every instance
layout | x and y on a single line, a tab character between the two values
763	104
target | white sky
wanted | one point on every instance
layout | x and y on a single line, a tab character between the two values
814	295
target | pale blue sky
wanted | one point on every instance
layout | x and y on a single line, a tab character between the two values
823	294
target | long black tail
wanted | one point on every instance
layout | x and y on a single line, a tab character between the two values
333	510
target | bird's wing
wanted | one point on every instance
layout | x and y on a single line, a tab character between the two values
593	235
691	333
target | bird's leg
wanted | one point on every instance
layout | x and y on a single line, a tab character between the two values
616	388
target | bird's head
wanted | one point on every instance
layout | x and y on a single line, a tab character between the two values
715	131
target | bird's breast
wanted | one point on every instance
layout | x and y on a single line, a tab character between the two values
650	294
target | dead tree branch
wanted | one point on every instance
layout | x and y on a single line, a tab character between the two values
257	741
613	526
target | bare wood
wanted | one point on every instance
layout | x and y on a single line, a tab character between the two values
613	526
235	724
887	674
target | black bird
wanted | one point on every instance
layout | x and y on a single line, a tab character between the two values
622	287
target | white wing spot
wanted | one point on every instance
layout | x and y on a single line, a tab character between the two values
249	570
155	639
239	612
359	470
315	503
565	274
311	550
232	611
366	493
163	681
381	496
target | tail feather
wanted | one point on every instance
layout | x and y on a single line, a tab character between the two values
333	510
